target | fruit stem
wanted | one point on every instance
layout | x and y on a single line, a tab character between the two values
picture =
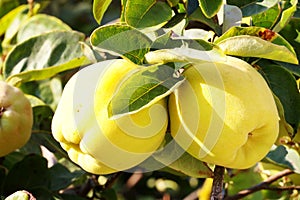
217	187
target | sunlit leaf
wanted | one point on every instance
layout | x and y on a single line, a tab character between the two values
91	54
251	46
14	19
99	8
149	13
266	19
183	54
143	88
173	3
255	7
46	50
40	74
285	157
286	16
188	41
210	7
256	42
9	17
7	6
121	40
39	24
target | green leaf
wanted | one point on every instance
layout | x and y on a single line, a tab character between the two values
286	16
284	85
99	8
7	6
34	101
41	74
91	54
185	55
46	50
15	19
173	156
121	40
39	24
175	20
46	139
7	19
61	177
285	129
284	156
143	88
266	19
260	32
42	116
255	7
295	69
149	13
109	193
291	32
198	16
239	180
167	42
31	172
251	46
256	42
210	7
173	3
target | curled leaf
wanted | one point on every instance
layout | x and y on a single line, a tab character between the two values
251	46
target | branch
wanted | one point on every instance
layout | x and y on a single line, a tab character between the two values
264	185
217	187
112	180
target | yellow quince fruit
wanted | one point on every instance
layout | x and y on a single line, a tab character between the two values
16	118
99	144
224	113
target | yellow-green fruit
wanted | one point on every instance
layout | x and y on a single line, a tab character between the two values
228	116
97	143
15	118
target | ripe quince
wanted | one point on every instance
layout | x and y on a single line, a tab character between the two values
15	117
99	144
224	113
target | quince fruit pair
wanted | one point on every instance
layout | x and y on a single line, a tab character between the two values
15	118
224	113
101	145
